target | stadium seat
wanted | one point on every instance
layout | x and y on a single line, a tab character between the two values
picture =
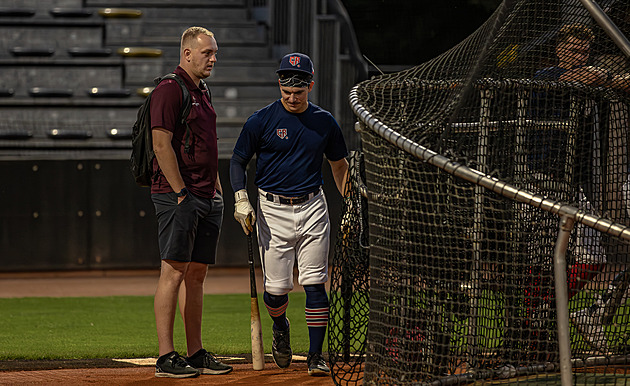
101	92
15	134
70	12
89	52
144	52
125	13
69	134
16	12
44	92
6	92
32	51
115	133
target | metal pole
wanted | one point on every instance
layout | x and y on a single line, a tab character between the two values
607	25
562	299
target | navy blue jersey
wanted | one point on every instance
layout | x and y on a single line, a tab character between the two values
290	147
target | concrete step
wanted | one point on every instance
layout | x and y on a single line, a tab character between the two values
43	6
158	33
251	91
58	37
120	111
42	143
227	50
22	78
226	73
196	14
165	3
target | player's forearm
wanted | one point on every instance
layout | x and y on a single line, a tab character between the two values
217	184
340	174
167	160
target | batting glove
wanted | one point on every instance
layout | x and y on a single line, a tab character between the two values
243	210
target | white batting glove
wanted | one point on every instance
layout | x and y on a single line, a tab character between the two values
243	211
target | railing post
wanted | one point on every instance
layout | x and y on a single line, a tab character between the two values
562	299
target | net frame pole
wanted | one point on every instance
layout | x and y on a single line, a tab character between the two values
607	25
562	299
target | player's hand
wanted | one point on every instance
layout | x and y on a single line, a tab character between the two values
243	211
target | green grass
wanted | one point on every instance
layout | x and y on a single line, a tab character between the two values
124	327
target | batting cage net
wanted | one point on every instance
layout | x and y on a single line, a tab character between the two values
486	169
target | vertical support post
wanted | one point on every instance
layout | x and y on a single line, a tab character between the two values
520	156
477	237
562	299
572	128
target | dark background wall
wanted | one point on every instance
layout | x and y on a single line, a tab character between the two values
89	214
407	33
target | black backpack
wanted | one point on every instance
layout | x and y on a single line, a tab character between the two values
142	140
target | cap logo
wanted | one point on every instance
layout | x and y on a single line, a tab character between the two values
294	60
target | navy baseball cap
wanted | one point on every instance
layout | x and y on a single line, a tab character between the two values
297	62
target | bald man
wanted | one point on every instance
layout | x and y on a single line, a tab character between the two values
186	192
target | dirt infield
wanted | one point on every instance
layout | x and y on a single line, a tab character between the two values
112	372
243	374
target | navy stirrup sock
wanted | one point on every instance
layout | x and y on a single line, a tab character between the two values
316	312
277	306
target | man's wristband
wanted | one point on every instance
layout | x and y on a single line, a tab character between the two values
182	193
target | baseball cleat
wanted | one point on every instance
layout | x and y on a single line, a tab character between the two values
281	347
173	365
207	363
317	365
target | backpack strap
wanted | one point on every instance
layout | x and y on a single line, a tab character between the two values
186	106
205	86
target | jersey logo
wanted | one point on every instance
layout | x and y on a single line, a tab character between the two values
294	60
194	101
282	133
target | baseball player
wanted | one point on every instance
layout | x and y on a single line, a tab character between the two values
290	138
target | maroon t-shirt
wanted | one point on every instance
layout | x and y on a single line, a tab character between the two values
199	166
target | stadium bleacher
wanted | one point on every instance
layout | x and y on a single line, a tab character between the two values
72	76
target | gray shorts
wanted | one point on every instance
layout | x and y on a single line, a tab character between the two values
188	231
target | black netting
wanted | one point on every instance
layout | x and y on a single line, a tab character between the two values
349	297
461	279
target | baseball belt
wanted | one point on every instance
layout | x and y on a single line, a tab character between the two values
289	200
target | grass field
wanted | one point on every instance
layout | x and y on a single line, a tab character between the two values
124	327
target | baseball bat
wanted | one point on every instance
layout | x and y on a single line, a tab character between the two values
258	353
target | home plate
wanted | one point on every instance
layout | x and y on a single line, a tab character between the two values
138	361
151	361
